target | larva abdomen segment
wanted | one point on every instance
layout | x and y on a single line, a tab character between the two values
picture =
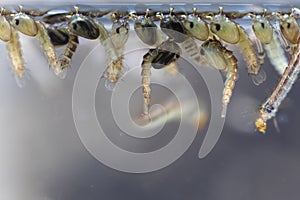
231	77
15	54
191	48
146	73
48	47
69	51
248	52
276	55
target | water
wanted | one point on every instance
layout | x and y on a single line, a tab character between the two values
43	157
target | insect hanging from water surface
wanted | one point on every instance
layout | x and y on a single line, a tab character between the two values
266	35
78	26
9	35
291	32
118	37
289	29
198	29
165	54
147	30
28	26
222	59
233	33
270	107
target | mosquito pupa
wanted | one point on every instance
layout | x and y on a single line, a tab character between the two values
79	26
28	26
266	34
289	28
233	33
195	28
59	36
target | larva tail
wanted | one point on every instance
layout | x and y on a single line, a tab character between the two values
231	77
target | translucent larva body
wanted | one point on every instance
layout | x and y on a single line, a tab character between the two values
30	27
266	34
49	50
147	31
173	27
290	30
9	35
118	36
165	54
15	53
270	107
222	59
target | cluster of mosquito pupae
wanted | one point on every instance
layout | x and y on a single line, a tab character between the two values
181	31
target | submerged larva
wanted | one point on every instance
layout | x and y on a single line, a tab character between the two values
233	33
119	35
222	59
266	34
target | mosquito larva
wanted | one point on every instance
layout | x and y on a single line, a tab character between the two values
30	27
270	107
222	59
266	34
233	33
